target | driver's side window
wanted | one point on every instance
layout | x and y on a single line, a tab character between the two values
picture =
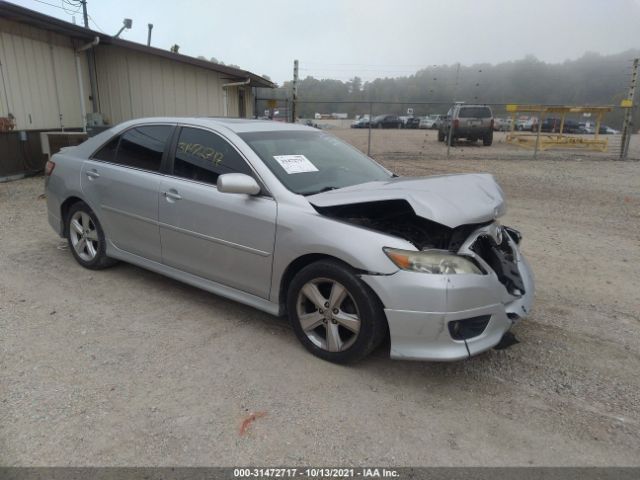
203	156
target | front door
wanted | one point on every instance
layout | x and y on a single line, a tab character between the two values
225	237
121	184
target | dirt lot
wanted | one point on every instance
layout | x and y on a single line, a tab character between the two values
125	367
404	144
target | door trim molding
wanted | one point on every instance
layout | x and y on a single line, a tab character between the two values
129	214
215	240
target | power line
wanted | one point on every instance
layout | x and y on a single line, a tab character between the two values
50	4
67	12
96	25
68	3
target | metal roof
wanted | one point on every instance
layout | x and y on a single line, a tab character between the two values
19	14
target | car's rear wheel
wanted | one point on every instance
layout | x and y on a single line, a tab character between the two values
487	140
86	238
334	314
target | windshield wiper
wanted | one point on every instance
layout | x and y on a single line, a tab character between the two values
323	189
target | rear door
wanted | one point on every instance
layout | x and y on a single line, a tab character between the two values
121	184
225	237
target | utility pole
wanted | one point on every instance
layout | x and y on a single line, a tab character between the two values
627	128
90	63
295	91
85	15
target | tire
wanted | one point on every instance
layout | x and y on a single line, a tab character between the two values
86	238
487	140
440	136
347	336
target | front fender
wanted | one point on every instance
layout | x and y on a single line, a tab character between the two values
303	232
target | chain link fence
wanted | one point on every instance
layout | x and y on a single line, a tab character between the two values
411	130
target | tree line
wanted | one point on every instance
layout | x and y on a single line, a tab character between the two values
592	79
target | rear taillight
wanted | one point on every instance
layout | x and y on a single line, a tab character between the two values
48	168
456	123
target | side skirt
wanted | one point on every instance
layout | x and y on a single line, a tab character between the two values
195	281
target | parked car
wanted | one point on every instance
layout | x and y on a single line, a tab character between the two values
471	122
290	220
502	124
431	122
571	126
528	124
361	123
605	130
386	121
412	122
552	125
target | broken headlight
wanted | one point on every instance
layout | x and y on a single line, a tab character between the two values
431	261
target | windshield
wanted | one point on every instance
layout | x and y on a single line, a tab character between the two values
313	162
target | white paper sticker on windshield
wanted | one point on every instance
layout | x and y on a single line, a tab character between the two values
295	163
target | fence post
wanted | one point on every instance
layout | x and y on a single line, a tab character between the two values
628	117
454	113
369	140
535	150
295	92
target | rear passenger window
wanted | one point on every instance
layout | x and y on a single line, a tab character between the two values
108	152
203	156
474	112
142	147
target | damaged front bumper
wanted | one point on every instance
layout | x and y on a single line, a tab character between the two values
451	317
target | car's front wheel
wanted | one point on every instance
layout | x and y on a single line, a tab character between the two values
86	238
334	314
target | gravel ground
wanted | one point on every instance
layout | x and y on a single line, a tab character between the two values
125	367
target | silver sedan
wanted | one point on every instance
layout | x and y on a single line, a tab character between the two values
291	220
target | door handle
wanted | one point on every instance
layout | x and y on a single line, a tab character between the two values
172	195
92	174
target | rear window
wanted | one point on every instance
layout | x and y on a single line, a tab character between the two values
475	112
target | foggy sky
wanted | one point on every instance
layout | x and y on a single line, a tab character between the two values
368	38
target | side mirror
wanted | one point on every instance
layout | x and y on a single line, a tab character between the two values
237	183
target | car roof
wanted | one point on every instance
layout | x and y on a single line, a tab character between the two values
237	125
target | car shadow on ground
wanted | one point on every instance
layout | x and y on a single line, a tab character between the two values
378	365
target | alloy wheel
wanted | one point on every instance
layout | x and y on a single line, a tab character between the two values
328	314
84	236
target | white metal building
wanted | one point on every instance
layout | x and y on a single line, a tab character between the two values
45	82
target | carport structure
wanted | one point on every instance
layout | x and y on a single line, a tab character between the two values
547	140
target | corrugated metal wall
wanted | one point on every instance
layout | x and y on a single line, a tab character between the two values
40	86
134	84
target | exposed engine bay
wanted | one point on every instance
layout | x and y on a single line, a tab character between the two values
396	217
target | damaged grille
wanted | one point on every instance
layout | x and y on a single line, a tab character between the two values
502	260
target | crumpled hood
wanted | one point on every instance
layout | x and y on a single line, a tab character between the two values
450	200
